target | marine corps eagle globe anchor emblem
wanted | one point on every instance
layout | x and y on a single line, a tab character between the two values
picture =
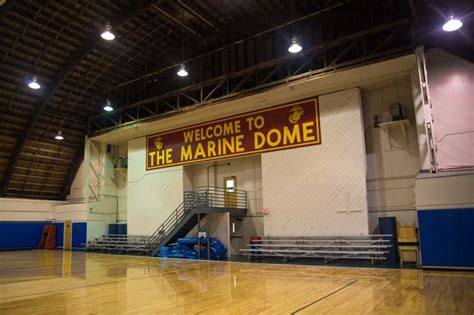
296	113
158	143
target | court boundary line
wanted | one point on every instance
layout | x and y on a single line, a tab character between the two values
324	297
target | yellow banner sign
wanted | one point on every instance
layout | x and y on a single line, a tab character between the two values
286	126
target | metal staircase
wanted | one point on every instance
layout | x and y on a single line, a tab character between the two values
182	220
196	204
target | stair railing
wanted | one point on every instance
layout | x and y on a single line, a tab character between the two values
191	200
200	197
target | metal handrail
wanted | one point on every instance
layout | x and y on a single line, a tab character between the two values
200	197
191	200
221	198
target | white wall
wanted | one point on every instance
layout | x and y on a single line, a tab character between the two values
13	209
120	182
445	190
152	195
106	202
16	209
451	87
69	211
219	228
391	168
75	207
320	190
77	186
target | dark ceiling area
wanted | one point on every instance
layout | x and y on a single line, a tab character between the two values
229	47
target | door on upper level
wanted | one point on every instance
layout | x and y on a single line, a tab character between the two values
230	192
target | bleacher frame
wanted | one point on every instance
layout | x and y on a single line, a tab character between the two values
329	248
120	243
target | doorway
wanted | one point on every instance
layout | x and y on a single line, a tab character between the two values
67	234
230	192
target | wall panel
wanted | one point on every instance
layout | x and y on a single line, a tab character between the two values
20	234
393	160
12	209
152	195
320	190
452	95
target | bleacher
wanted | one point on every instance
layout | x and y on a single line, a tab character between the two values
119	244
370	247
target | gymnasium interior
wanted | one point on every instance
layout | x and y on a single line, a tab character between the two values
236	157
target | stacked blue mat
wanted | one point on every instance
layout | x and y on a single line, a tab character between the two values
187	247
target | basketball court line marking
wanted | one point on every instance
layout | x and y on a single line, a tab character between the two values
324	297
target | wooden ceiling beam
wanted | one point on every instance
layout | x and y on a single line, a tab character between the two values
66	69
6	7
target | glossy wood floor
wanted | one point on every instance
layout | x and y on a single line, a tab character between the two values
55	282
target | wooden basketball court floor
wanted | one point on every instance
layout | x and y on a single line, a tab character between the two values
56	282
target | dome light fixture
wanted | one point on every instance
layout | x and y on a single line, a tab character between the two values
452	24
33	84
59	135
182	71
108	106
107	34
295	46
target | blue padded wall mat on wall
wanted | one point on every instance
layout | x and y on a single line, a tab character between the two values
122	229
113	228
79	234
447	237
20	234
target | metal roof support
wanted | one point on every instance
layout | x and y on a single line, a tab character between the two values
199	16
268	69
176	21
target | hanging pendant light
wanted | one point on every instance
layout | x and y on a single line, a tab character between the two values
107	34
108	106
452	24
33	84
59	135
182	71
295	47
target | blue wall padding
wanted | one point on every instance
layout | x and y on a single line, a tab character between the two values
26	235
59	235
122	229
79	234
447	237
118	229
20	235
388	226
113	228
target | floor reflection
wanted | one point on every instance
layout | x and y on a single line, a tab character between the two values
76	282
